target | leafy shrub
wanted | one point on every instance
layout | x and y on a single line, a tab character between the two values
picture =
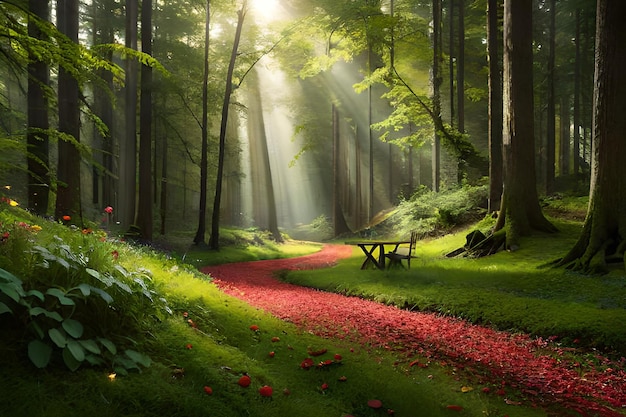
427	211
74	301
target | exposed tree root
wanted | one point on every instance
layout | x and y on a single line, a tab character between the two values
478	245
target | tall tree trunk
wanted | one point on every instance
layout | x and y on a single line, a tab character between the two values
520	210
551	116
215	219
128	145
144	207
460	70
68	174
436	84
604	231
451	60
163	194
564	135
37	137
495	106
576	115
103	176
201	231
339	221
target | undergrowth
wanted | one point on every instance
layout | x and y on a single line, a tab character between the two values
136	332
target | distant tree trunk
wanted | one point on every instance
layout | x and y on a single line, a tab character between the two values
436	84
370	137
68	174
564	136
144	207
576	115
201	231
495	106
520	210
103	33
604	231
551	105
215	220
128	145
339	221
163	196
357	173
37	138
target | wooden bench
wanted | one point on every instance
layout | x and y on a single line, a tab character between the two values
402	253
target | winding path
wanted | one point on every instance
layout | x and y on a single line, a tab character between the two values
535	367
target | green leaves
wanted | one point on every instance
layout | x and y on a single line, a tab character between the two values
39	353
49	309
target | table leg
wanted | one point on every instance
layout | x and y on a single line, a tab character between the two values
381	257
369	256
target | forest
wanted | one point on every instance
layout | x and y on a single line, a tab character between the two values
276	115
269	136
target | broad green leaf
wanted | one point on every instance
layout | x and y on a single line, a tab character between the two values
123	286
9	277
36	293
11	291
120	370
60	295
94	360
126	363
138	357
35	311
76	350
54	316
85	289
103	294
58	337
63	263
93	273
73	327
91	346
122	270
70	361
4	308
39	353
110	346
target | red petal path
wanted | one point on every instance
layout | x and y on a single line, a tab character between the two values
537	368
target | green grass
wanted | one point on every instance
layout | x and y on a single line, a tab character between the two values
510	290
222	347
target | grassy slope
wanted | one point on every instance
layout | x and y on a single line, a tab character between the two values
509	290
223	348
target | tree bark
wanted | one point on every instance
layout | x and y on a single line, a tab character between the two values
436	84
550	159
38	124
103	107
460	70
200	232
215	219
68	174
144	206
576	105
128	145
520	210
495	106
604	230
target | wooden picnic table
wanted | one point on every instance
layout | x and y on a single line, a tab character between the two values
370	247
